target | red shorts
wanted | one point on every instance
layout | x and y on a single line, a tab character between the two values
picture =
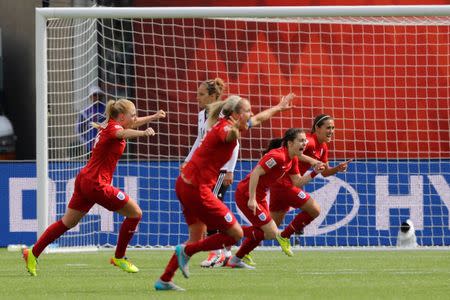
282	198
87	193
200	204
262	216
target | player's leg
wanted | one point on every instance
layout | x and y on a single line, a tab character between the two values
217	257
253	234
310	211
54	231
133	215
216	241
226	251
278	216
77	208
165	283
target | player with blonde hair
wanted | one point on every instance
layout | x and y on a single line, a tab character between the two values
194	187
93	183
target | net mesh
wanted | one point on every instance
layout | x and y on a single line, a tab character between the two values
384	80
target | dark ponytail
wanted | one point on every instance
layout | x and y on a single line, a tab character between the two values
290	135
273	144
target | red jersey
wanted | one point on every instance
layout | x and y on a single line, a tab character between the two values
105	154
276	163
314	149
210	156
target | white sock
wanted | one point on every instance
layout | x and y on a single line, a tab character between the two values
227	252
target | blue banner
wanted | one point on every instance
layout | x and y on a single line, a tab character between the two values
363	207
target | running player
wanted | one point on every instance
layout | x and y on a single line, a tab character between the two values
201	207
285	195
280	159
93	183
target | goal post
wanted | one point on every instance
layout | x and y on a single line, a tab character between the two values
381	71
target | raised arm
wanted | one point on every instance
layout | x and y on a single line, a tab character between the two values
285	104
147	119
133	133
342	167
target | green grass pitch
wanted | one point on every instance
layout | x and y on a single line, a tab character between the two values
307	275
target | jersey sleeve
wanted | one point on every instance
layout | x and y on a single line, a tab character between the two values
270	161
231	164
112	130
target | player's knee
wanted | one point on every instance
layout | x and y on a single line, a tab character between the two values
139	213
135	212
270	234
237	233
315	211
69	223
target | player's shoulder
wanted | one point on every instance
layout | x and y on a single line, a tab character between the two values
113	125
278	154
222	124
311	137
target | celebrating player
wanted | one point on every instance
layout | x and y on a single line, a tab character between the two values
209	92
201	208
279	159
285	194
93	183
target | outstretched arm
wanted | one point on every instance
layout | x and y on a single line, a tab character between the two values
133	133
342	167
299	181
308	160
285	104
147	119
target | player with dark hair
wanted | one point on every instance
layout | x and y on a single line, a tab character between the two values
285	195
280	159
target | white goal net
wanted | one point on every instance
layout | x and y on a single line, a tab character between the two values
385	80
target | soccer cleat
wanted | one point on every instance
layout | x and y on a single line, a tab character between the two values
30	261
237	263
124	264
167	286
210	261
285	244
248	260
183	260
221	260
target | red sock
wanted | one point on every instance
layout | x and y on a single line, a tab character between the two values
297	225
254	236
126	232
212	242
253	232
170	270
52	232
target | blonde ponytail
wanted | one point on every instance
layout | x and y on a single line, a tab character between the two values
113	109
223	109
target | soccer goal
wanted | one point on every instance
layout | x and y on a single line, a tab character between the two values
381	72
